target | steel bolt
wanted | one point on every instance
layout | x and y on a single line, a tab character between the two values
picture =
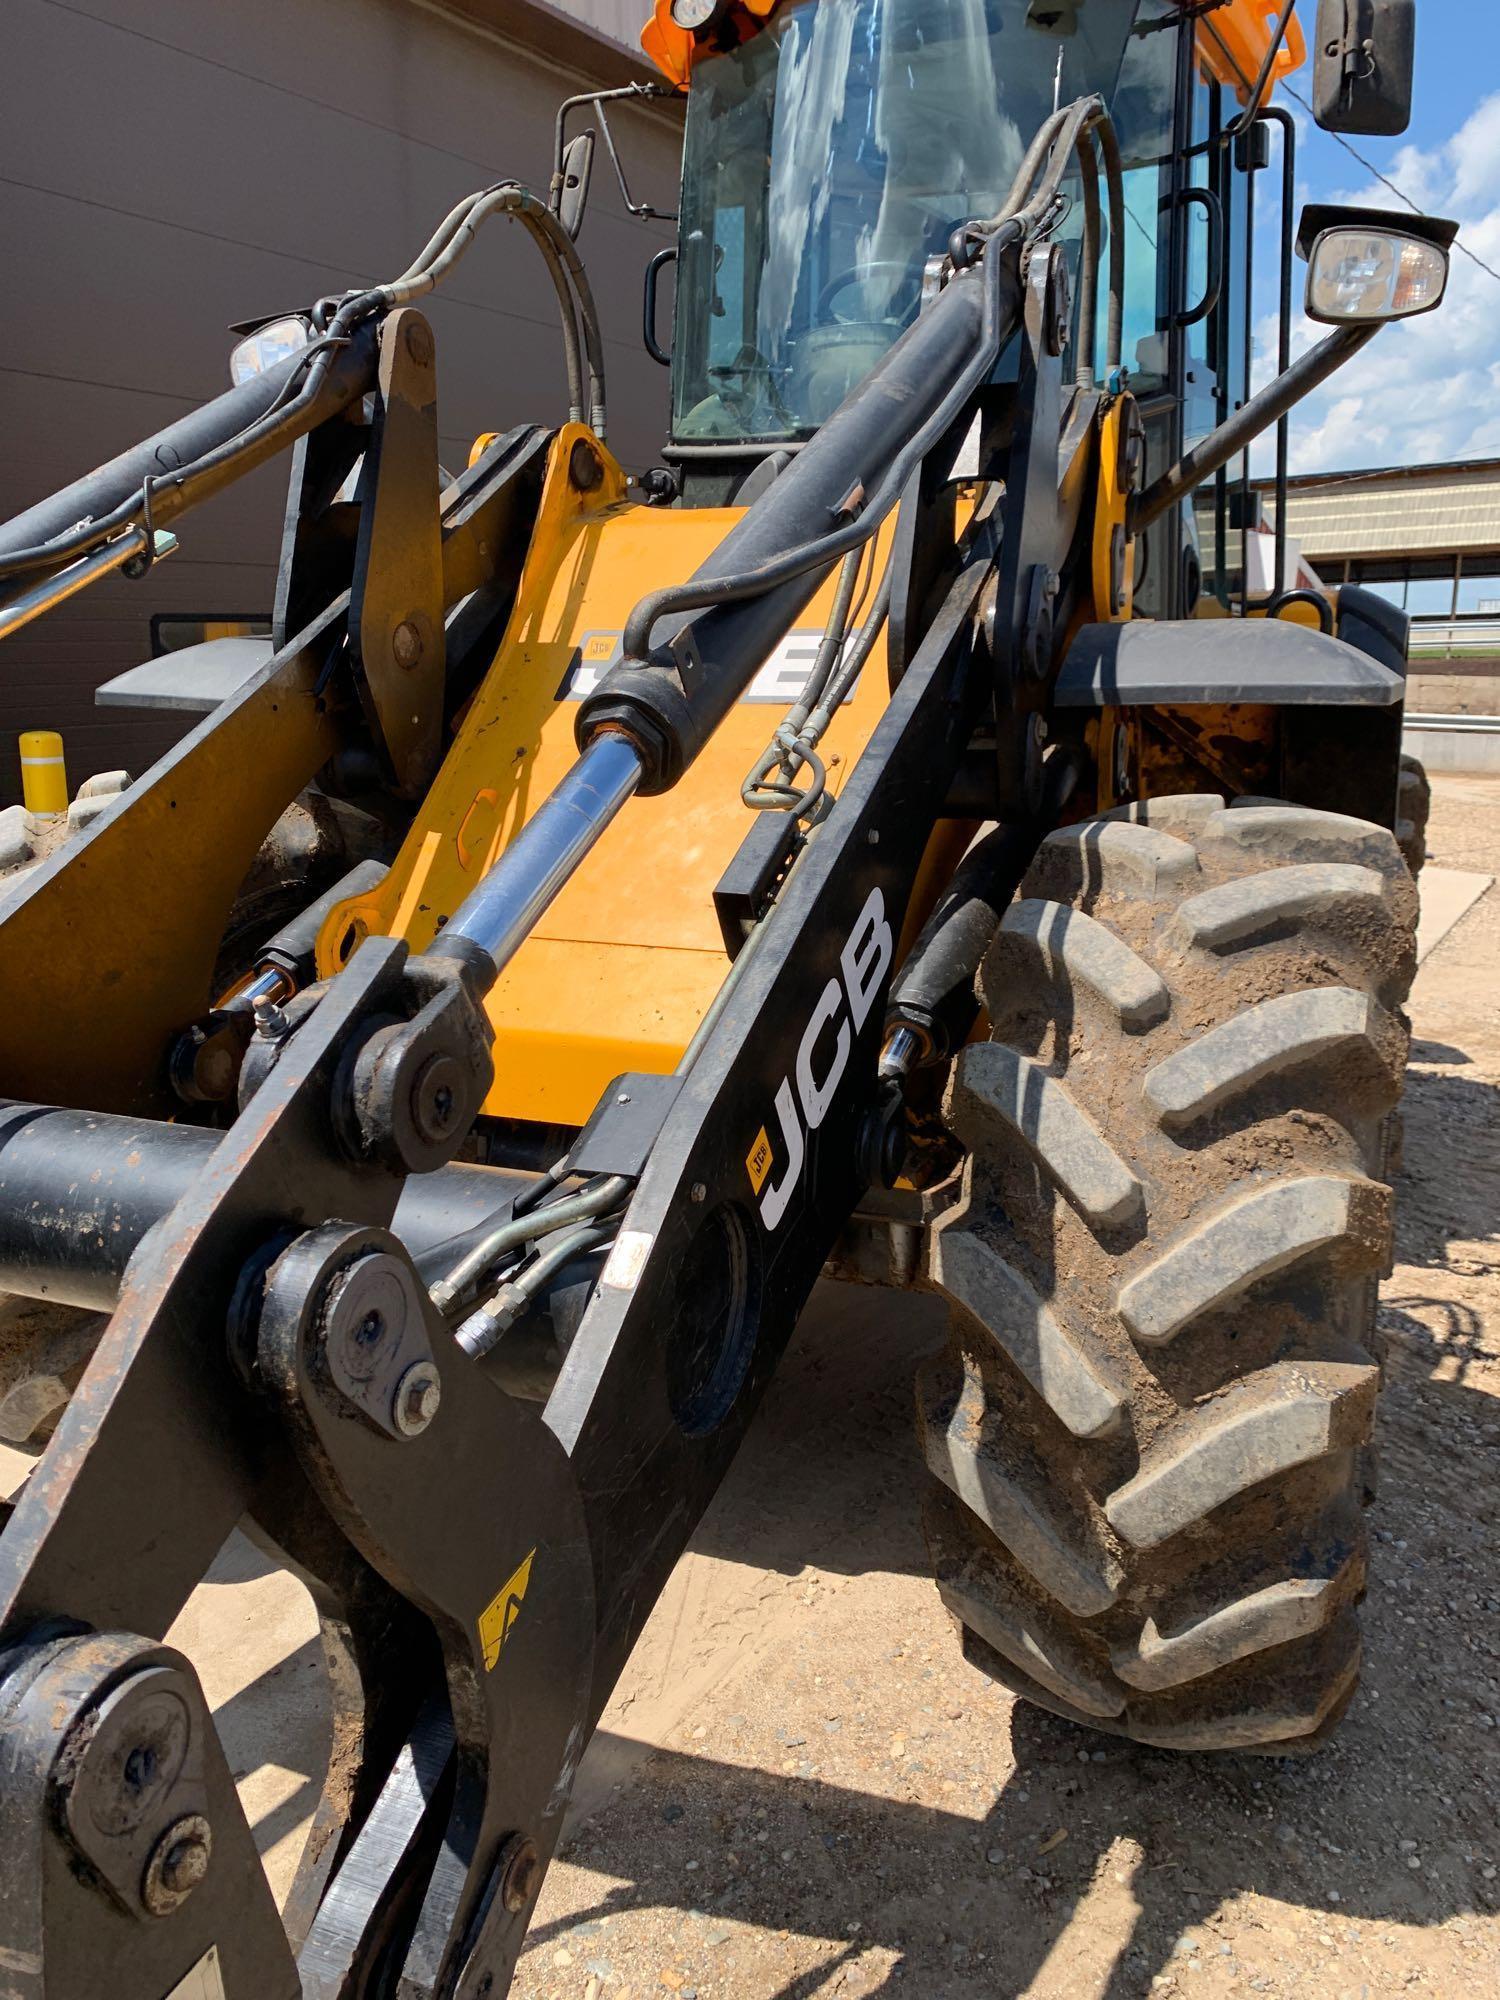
438	1099
271	1023
698	1192
406	644
178	1863
418	1395
520	1875
419	341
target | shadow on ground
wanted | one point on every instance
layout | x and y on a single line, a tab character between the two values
829	1479
955	1884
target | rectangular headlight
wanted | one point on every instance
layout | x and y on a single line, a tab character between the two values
1357	275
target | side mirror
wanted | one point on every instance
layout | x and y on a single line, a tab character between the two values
572	198
1369	265
1363	64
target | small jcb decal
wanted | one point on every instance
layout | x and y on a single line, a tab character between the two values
758	1161
627	1259
501	1613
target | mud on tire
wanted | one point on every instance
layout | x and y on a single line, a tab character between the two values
1149	1431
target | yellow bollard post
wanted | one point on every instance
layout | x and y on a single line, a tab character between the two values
44	776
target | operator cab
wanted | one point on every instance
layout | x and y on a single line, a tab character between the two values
827	158
833	147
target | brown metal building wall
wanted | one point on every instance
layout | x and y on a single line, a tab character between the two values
171	165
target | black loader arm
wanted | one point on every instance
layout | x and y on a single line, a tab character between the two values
482	1567
481	1564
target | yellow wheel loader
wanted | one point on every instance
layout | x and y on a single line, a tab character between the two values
886	838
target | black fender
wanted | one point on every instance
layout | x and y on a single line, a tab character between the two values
1199	662
1339	704
1375	626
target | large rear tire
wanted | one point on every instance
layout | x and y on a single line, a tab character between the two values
1150	1431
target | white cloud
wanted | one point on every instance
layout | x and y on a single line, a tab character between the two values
1424	390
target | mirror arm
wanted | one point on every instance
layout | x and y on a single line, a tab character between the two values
597	99
1272	403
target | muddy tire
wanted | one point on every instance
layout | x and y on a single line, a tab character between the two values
1150	1430
1413	809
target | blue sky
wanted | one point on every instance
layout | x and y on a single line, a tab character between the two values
1427	391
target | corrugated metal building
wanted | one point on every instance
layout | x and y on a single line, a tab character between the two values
1404	523
170	167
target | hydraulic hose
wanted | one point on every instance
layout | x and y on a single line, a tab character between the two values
516	1231
1088	269
196	457
933	1003
1114	180
209	449
485	1327
853	471
452	241
792	745
1073	130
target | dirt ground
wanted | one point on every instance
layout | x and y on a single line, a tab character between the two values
803	1790
799	1788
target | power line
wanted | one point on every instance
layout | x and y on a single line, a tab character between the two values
1385	181
1353	152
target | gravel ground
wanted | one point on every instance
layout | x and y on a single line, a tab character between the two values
799	1788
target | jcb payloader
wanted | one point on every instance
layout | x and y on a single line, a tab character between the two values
887	838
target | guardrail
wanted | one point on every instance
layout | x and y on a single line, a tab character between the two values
1459	725
1454	638
1459	743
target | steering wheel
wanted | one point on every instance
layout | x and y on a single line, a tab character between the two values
857	274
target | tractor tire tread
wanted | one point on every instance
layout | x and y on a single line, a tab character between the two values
1151	1428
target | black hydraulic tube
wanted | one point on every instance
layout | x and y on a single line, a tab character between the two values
79	1189
105	499
933	994
1088	270
670	699
1242	429
294	947
1274	114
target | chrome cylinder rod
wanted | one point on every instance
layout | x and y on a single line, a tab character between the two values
39	597
498	915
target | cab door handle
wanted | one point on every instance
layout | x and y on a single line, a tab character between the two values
1213	212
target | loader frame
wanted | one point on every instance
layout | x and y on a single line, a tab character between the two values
482	1565
172	1440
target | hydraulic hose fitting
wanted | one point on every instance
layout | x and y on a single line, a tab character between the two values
907	1047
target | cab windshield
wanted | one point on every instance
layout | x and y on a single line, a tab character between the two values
826	159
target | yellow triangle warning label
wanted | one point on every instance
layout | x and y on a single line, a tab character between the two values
501	1613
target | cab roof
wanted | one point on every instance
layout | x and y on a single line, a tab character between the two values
1232	39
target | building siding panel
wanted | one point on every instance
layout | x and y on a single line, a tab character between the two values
170	167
